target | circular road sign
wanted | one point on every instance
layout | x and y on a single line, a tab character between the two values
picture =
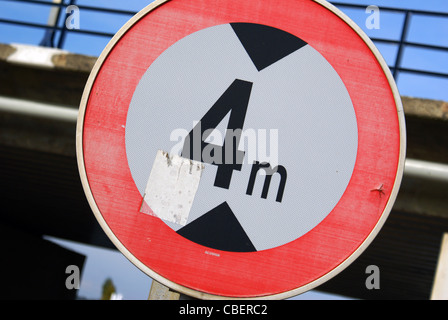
241	149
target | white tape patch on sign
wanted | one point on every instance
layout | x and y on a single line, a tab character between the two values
171	187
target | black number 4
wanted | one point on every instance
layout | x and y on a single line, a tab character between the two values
227	157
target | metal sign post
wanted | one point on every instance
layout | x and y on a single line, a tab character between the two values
440	287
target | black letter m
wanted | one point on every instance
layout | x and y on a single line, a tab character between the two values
269	172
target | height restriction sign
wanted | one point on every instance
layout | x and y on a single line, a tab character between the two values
241	149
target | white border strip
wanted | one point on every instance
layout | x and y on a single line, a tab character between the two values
38	110
34	55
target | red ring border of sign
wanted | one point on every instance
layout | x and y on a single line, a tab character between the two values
206	273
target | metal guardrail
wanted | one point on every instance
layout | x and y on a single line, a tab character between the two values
403	42
61	27
396	68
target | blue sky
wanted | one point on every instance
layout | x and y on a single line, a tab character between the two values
130	281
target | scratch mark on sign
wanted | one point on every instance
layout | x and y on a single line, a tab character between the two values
379	189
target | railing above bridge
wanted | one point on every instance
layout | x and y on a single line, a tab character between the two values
55	33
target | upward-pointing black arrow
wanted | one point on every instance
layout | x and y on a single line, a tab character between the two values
218	229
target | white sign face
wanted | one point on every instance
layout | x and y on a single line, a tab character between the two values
279	109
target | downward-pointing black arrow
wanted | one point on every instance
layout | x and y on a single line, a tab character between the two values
266	45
